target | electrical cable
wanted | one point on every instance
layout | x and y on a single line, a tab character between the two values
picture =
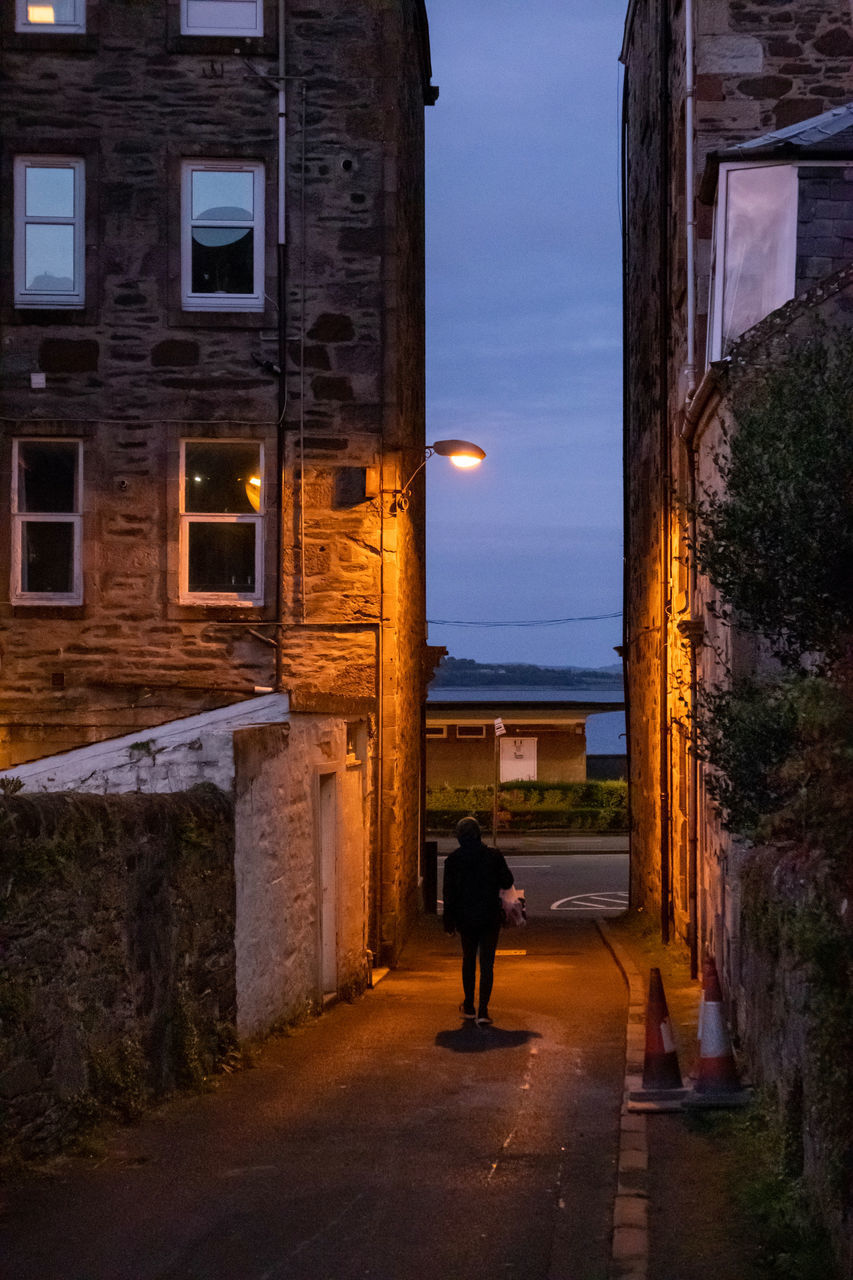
541	622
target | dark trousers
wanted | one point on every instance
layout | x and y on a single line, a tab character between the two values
483	942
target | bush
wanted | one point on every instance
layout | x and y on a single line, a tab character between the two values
530	806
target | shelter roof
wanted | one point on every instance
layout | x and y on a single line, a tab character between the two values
828	136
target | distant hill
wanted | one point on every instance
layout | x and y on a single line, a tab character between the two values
467	674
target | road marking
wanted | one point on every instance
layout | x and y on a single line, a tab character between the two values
510	953
614	900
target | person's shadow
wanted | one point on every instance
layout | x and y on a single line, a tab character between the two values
470	1038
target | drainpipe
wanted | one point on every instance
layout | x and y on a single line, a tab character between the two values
693	630
626	473
693	638
664	462
690	200
282	348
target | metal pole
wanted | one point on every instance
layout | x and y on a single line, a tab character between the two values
495	789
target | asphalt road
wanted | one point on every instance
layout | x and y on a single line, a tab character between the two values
385	1140
579	885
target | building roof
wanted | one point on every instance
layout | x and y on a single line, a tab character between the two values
516	709
829	134
825	137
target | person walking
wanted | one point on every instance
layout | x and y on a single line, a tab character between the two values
474	875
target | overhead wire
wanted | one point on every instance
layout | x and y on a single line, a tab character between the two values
540	622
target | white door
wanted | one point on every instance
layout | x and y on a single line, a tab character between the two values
328	878
518	759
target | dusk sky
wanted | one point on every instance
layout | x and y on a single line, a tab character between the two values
523	326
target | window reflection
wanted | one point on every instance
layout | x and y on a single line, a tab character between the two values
223	250
221	558
760	246
47	557
222	477
49	258
222	194
49	192
47	476
223	16
61	12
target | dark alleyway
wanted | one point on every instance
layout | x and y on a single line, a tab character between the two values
385	1140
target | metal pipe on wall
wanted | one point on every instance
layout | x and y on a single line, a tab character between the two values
281	460
689	194
664	490
690	200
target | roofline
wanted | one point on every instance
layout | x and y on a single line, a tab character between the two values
484	709
628	31
430	90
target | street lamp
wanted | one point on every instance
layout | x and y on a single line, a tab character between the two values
462	453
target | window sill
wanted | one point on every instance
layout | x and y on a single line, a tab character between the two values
35	612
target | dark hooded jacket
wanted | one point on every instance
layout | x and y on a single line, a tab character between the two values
474	874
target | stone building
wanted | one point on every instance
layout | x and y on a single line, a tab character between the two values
738	203
211	222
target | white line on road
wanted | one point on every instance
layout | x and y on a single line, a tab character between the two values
612	901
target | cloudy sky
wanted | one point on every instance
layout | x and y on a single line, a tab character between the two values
523	315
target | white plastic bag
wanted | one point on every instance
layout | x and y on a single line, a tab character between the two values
514	909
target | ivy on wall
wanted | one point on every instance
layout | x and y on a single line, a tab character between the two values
775	538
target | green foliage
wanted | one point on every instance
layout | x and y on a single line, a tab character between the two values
777	542
117	1080
117	914
523	806
783	755
789	1241
777	538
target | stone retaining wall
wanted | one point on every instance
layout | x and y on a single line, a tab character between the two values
793	1004
117	973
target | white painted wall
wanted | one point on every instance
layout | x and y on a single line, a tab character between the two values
277	938
170	757
272	760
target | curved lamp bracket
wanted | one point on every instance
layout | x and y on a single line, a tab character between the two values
462	453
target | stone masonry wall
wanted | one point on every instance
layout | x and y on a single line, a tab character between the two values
758	67
793	1004
117	975
824	223
133	374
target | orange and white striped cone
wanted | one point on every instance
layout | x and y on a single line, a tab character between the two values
717	1071
660	1066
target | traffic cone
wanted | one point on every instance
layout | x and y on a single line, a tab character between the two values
660	1066
717	1070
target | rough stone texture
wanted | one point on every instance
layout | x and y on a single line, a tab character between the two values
791	1001
132	374
279	968
117	955
824	223
760	66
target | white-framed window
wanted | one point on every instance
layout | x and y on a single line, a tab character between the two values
470	731
222	511
755	249
50	232
222	17
436	731
222	236
47	522
57	15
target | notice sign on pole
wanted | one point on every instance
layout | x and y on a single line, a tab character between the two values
499	727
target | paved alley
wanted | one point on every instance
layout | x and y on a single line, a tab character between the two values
386	1139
